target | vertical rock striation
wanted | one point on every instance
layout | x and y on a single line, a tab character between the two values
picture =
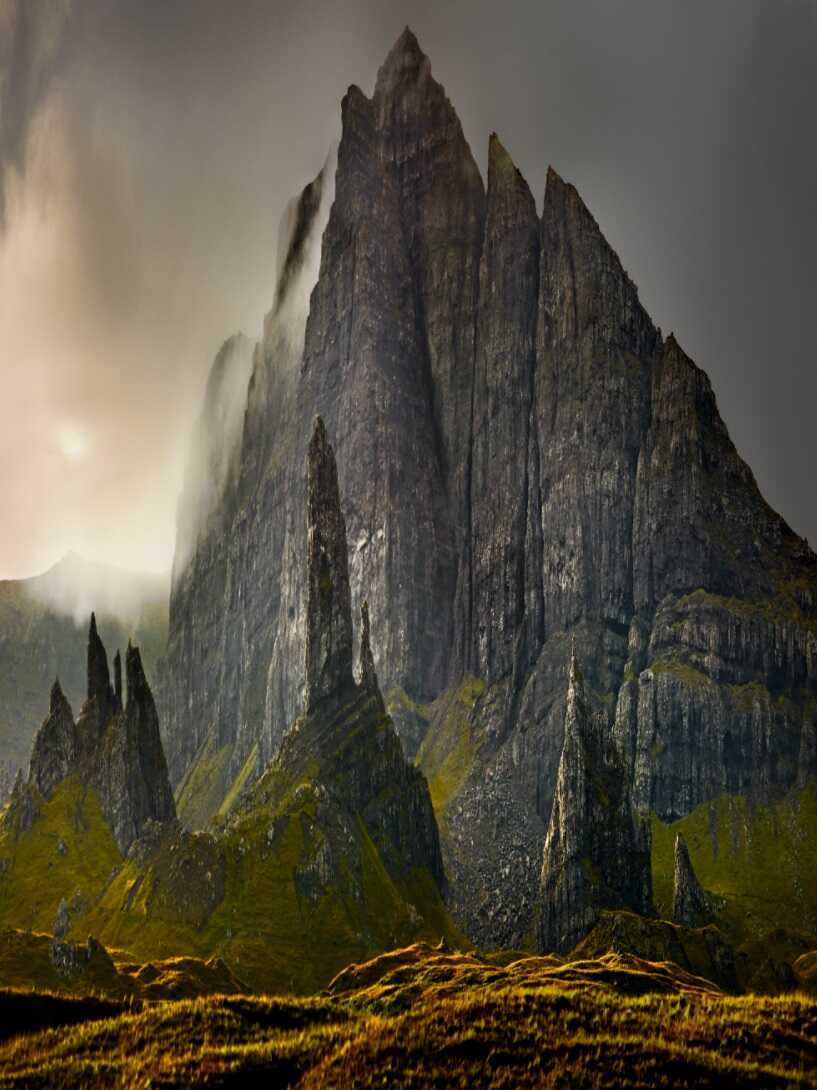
522	459
597	849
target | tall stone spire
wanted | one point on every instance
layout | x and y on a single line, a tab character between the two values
368	674
689	906
99	678
329	601
597	849
55	746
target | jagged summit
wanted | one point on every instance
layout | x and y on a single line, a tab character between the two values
404	62
99	678
114	752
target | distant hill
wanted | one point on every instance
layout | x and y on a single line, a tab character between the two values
42	624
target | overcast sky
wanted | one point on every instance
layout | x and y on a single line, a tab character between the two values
147	151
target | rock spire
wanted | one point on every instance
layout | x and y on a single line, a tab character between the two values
329	603
597	850
689	905
368	674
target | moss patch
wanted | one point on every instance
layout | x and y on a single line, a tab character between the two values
449	750
760	861
69	852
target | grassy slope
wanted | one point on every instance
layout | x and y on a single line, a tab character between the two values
69	852
420	1018
304	886
760	862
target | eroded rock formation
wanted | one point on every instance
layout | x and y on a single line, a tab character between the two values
597	849
113	751
689	904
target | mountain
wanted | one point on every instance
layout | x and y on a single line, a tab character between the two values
40	622
525	461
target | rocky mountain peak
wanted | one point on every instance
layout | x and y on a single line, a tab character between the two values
503	171
405	63
138	689
114	752
597	850
59	701
689	904
329	603
55	746
99	678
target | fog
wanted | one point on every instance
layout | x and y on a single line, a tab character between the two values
148	151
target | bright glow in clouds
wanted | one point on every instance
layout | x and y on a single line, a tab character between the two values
73	443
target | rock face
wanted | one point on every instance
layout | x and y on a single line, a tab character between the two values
689	905
523	459
597	849
115	752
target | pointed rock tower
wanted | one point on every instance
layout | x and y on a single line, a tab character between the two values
597	850
689	904
115	752
329	601
132	777
55	747
345	740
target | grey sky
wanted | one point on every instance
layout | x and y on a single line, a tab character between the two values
148	149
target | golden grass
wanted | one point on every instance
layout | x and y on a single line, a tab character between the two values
421	1017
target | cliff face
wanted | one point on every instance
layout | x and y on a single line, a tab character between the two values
113	751
597	849
523	458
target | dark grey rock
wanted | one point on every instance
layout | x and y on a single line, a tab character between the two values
329	603
597	849
689	903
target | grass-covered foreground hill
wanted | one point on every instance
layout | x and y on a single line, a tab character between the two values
419	1017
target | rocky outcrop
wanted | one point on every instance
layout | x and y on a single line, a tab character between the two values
689	904
523	458
329	603
55	747
38	642
597	849
344	739
131	772
115	752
